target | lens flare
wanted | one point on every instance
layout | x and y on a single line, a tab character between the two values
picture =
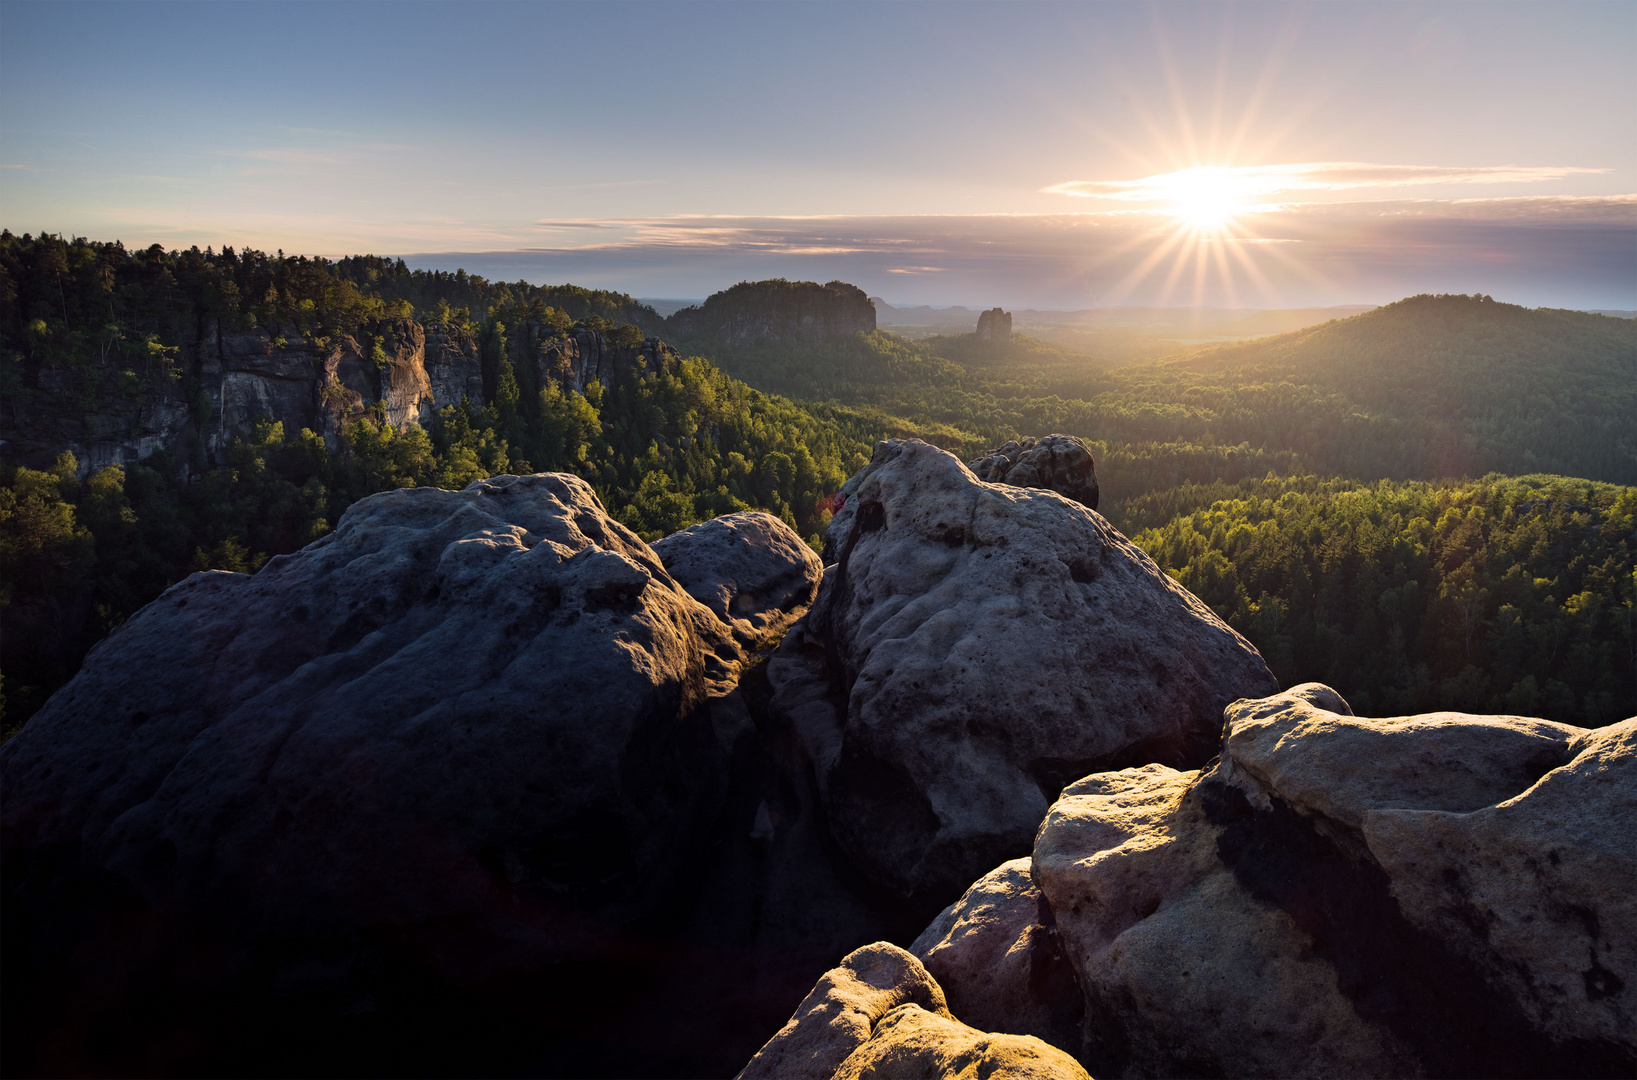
1206	198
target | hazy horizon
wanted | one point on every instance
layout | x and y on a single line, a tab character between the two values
1028	155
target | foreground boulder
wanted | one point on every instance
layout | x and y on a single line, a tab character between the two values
976	646
1439	895
880	1014
997	954
753	575
1060	463
464	738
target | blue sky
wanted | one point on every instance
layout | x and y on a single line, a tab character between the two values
968	153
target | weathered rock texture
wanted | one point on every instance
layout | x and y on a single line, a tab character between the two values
302	382
1060	463
994	325
1440	895
752	574
975	647
997	955
763	312
881	1014
458	739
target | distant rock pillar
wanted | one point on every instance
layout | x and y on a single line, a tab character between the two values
994	325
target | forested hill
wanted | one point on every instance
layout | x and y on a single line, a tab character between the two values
1531	388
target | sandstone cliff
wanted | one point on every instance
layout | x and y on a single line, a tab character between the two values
401	370
768	312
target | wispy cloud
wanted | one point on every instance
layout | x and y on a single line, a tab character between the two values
1562	251
1248	182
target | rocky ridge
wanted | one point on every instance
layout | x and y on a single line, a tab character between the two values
481	780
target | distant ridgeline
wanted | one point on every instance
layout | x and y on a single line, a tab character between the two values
168	411
774	312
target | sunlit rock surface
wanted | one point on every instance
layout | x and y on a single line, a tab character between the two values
1438	895
879	1014
974	647
996	953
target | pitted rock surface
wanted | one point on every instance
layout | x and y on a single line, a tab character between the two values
996	953
465	734
754	575
879	1013
1429	895
1060	463
975	647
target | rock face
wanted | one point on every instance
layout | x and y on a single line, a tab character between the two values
760	312
976	646
880	1014
406	369
996	953
753	575
1439	895
994	325
1060	463
463	737
574	358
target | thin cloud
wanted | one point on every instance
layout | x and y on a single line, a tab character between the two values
1266	181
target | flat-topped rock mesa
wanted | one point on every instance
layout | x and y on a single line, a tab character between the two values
402	369
1436	895
763	312
994	325
975	647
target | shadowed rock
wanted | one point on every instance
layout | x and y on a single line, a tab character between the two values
457	743
753	574
1059	463
996	953
975	647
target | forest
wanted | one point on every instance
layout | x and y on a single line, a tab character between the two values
1332	493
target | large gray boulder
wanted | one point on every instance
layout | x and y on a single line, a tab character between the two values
997	955
751	573
975	647
466	736
1431	895
879	1013
1060	463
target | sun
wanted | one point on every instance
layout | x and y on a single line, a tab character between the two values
1205	198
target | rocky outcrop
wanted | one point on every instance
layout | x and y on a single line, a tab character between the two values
463	740
994	325
1439	895
976	646
577	357
1060	463
881	1014
997	955
762	312
399	369
753	575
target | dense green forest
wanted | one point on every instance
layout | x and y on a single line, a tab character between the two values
1501	595
78	555
1424	591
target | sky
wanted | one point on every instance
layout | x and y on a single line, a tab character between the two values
1031	155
